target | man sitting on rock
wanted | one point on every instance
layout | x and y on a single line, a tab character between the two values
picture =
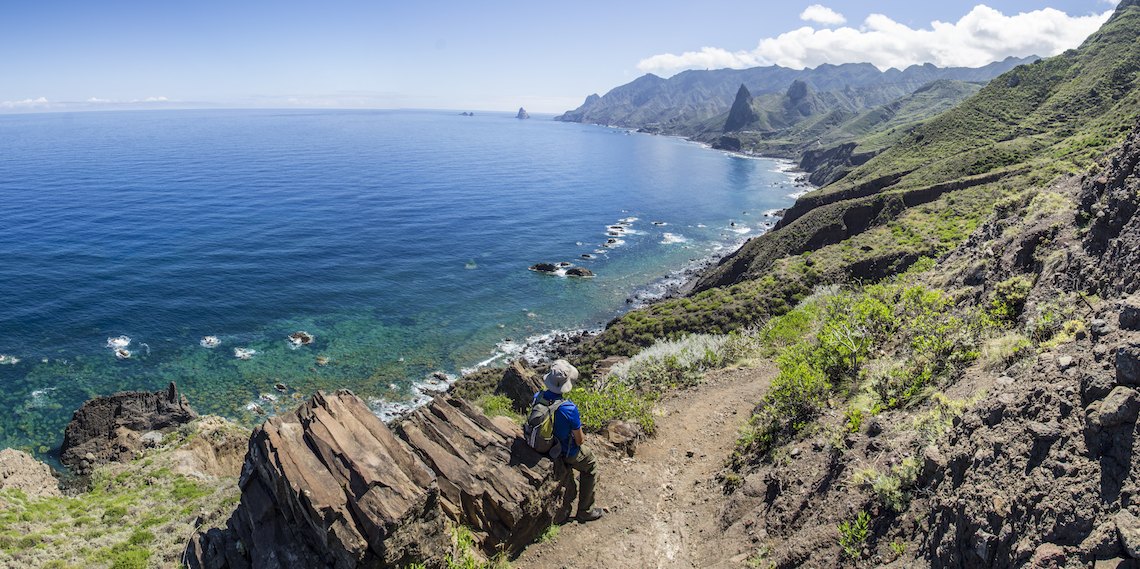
568	431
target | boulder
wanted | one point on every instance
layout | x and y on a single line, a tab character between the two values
1121	406
1128	363
330	485
109	429
544	267
1129	528
19	471
1130	313
519	383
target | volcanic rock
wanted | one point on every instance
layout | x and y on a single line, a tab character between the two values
544	267
519	383
522	114
108	429
741	113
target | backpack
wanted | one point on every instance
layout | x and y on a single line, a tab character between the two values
539	427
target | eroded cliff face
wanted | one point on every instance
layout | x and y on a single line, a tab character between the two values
330	485
110	429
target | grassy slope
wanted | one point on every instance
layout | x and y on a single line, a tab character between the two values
132	516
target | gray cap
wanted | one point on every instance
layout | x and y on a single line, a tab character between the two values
561	377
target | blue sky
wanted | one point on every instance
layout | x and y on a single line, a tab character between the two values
546	57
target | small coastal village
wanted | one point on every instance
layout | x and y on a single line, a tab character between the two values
932	360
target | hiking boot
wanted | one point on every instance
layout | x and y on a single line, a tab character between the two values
590	516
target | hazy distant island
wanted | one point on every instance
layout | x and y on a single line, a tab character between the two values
522	114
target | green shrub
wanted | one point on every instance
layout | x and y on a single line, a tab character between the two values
131	559
597	407
854	419
114	514
1009	297
853	534
498	405
185	489
140	537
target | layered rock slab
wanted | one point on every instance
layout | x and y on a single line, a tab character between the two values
329	485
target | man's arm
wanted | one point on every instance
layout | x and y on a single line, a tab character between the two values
579	438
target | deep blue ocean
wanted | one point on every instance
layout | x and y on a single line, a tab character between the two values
140	248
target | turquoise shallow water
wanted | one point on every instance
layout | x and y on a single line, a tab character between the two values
399	240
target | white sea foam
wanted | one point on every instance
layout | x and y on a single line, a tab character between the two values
122	354
670	238
299	338
36	400
9	360
120	342
244	353
628	220
740	229
268	397
210	342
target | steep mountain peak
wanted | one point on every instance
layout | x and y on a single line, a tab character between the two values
1122	6
741	113
797	90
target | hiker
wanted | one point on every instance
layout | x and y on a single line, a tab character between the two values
568	433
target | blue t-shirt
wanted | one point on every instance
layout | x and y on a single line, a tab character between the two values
566	421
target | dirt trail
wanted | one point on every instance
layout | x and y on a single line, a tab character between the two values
663	504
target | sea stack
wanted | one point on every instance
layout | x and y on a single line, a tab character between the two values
522	114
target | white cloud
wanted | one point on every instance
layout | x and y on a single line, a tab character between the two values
156	99
980	37
823	15
98	100
25	104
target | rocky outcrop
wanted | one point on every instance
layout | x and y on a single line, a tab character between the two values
832	163
802	100
1110	201
729	143
544	267
110	429
741	113
19	471
330	485
519	383
522	114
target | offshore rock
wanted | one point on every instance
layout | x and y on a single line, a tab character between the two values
330	485
109	429
544	267
579	272
522	114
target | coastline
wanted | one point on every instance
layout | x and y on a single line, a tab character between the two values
541	349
